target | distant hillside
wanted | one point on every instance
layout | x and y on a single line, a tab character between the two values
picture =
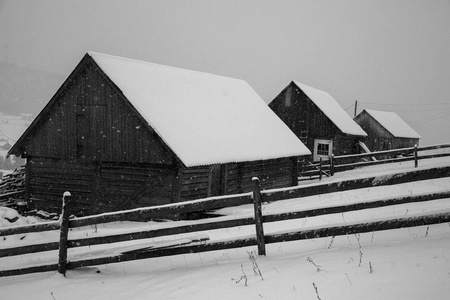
25	90
12	127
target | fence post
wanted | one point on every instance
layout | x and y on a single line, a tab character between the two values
294	174
332	164
416	158
258	217
64	231
320	168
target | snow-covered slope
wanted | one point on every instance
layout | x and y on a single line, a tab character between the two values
410	263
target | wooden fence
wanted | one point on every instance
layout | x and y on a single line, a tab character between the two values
260	239
316	170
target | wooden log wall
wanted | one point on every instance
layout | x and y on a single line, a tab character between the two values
124	186
102	187
274	173
383	143
194	183
345	145
49	179
98	187
234	178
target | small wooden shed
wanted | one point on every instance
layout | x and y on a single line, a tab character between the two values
318	120
386	130
122	133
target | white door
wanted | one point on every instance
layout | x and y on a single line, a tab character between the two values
322	149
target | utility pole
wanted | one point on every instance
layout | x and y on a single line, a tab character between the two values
356	107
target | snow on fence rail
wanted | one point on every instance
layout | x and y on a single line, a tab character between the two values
202	244
312	170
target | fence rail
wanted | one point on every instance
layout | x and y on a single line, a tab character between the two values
318	169
260	239
233	200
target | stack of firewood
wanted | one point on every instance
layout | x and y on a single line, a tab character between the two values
12	188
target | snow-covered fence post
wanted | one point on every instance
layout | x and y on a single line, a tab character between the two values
416	158
258	217
64	232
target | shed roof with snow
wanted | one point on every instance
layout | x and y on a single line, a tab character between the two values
331	108
207	119
203	118
392	123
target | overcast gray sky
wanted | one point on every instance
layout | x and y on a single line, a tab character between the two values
388	55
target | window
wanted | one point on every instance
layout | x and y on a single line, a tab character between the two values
322	149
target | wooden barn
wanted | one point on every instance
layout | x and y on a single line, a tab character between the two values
318	120
121	133
386	130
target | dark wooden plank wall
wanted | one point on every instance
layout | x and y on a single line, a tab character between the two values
194	183
103	187
97	187
119	183
111	130
346	145
274	173
49	179
382	143
236	178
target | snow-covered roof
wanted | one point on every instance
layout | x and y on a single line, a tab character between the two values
331	108
205	119
393	123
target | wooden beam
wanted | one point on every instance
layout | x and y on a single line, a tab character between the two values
29	228
37	269
358	228
64	234
224	179
258	217
213	246
27	184
177	184
326	188
128	236
210	179
354	207
96	187
294	171
240	169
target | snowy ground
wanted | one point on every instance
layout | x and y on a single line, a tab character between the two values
411	263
